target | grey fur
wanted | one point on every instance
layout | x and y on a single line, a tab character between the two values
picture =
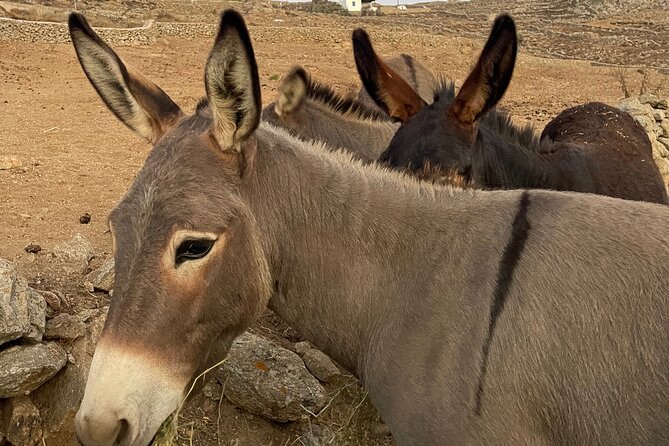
363	132
395	279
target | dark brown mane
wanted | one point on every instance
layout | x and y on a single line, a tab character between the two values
499	122
346	106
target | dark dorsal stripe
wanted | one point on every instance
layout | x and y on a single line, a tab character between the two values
327	96
510	258
408	60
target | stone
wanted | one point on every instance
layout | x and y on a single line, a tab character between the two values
77	250
58	400
52	300
22	424
213	390
320	365
317	435
102	278
665	142
302	347
635	108
664	128
64	326
22	309
649	99
23	368
10	162
659	115
647	122
662	104
660	148
266	379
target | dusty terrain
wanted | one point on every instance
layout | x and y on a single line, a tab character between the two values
76	157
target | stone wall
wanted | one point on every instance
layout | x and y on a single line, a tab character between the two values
652	113
50	32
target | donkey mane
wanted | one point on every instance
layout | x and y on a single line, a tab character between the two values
350	107
497	120
448	185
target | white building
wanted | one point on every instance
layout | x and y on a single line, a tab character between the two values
353	5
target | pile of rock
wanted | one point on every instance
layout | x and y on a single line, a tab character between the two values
26	360
45	354
652	113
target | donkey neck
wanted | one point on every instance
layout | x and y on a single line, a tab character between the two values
365	136
332	231
509	158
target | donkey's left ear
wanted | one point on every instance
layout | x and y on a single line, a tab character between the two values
489	79
233	86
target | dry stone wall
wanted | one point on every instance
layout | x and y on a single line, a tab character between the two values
652	113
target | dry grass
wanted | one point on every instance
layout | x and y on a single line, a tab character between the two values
168	433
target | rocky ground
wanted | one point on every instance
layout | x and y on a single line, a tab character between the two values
65	161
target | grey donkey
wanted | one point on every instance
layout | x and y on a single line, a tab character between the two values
513	317
311	110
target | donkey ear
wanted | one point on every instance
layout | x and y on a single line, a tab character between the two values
135	100
491	76
233	86
385	86
292	92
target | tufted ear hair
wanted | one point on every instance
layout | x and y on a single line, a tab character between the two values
387	88
135	100
490	78
232	83
292	92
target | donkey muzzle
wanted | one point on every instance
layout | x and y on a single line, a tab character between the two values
127	398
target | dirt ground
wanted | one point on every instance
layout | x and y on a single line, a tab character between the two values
77	158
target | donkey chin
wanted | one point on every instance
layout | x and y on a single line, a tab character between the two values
125	404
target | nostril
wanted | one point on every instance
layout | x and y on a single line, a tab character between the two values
123	436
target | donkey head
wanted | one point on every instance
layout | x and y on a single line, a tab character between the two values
445	133
191	274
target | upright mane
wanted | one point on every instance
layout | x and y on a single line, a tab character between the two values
350	107
497	120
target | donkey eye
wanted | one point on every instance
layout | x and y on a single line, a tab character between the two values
193	249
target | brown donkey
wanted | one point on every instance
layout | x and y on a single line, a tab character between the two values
472	317
590	148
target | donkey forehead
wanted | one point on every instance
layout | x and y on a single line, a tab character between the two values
184	182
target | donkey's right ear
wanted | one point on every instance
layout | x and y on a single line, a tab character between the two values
292	92
135	100
384	85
